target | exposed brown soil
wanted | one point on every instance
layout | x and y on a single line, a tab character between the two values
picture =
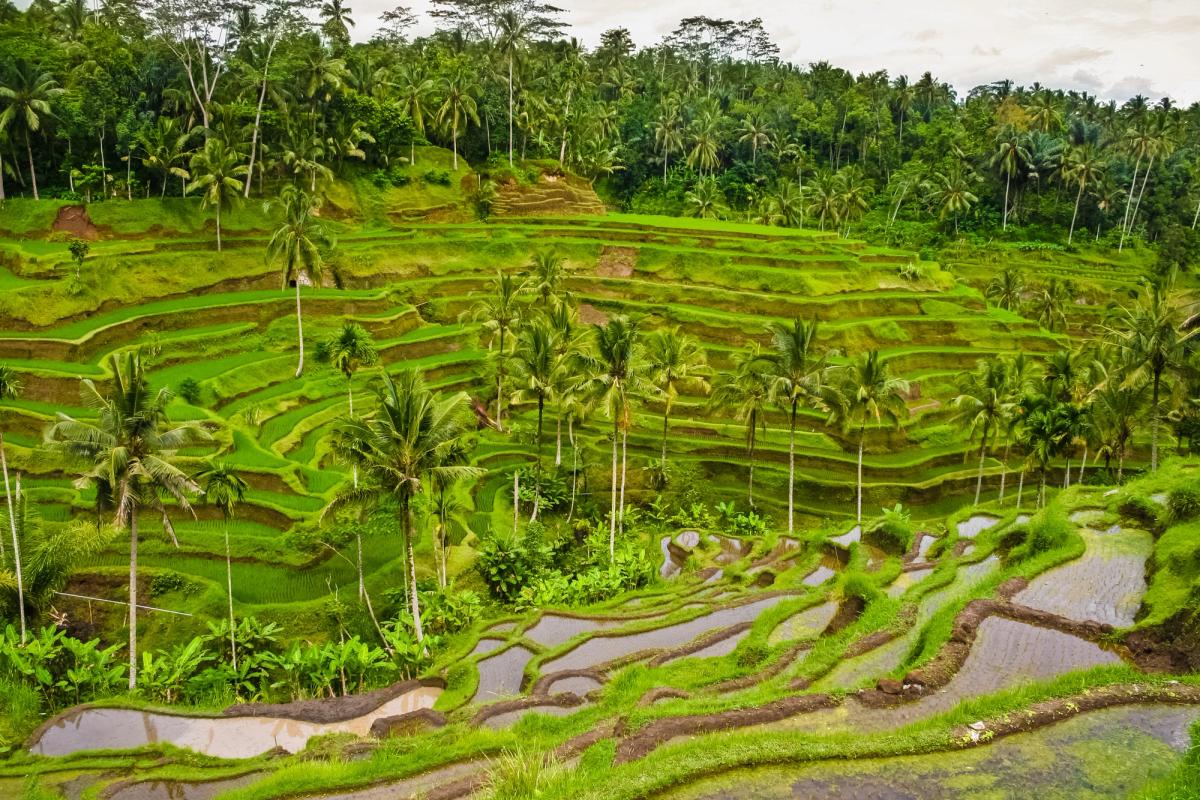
550	196
700	643
650	736
849	610
414	722
337	709
75	221
1173	646
590	315
616	262
662	693
562	700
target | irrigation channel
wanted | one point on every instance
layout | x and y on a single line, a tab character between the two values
557	662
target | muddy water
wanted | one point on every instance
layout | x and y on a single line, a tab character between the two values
923	548
849	537
1104	755
600	649
1105	584
552	629
970	528
223	737
806	624
670	567
183	790
500	675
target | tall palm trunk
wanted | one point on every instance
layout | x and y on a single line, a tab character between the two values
1075	213
612	516
218	226
1154	424
1020	486
3	196
1120	466
510	109
1004	469
792	470
229	595
624	462
410	568
1137	204
537	484
666	418
982	458
750	454
500	384
1007	183
1129	202
12	523
262	96
562	149
133	558
1083	463
862	439
574	465
299	330
32	171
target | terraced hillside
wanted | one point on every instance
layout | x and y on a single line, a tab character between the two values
753	650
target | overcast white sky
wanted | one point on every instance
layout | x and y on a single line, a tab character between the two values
1112	48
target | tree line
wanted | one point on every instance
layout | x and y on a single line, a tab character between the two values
125	100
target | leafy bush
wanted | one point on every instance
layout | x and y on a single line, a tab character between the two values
439	177
1141	508
190	390
166	582
1047	530
1183	503
894	530
60	668
509	564
394	175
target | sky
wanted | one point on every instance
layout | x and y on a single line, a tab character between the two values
1111	48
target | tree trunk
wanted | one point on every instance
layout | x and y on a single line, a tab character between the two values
1020	487
562	149
862	438
537	484
229	595
1075	213
510	109
411	570
1041	500
574	466
612	515
666	417
299	329
12	523
454	145
1007	182
1120	466
218	226
32	170
1083	463
558	439
1067	476
262	95
133	554
1137	204
982	458
1004	470
1154	425
1129	202
624	451
500	384
516	500
792	470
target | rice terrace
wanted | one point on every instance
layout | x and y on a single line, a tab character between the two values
433	404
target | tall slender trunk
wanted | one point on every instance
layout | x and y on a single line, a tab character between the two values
1020	486
1007	182
1195	217
229	595
1004	469
1075	213
666	418
411	569
218	226
510	109
574	465
500	384
1121	466
262	96
1129	202
1083	463
128	174
4	197
792	470
862	438
624	452
537	484
1154	424
1141	193
133	555
558	439
299	329
1041	499
516	500
12	524
32	170
454	144
612	514
1067	476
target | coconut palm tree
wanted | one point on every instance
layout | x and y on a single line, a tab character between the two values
747	390
1150	345
337	21
1118	410
615	372
535	369
1050	304
130	450
165	146
980	406
756	133
547	273
346	351
668	134
296	246
224	489
953	195
1008	158
400	447
415	91
797	372
1006	289
458	108
1020	374
673	359
1045	432
785	205
1083	167
866	391
215	170
27	98
514	31
10	388
499	309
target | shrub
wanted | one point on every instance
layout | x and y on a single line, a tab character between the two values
166	582
1183	503
1047	530
190	390
439	177
1141	509
894	530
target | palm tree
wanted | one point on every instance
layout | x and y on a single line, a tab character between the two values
785	206
547	273
535	368
131	449
1083	167
824	202
668	134
796	373
215	169
674	358
346	351
1009	156
953	194
1006	289
1020	373
705	200
500	311
1050	304
615	372
398	448
296	245
867	391
165	147
514	30
747	389
458	106
224	488
27	101
415	91
1150	345
337	21
10	388
980	406
704	155
1045	432
1118	409
756	133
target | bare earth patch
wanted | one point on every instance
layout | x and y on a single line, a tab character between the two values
75	221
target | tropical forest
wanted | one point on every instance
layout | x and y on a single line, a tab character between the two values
441	403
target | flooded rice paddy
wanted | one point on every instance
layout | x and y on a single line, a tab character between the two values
500	675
